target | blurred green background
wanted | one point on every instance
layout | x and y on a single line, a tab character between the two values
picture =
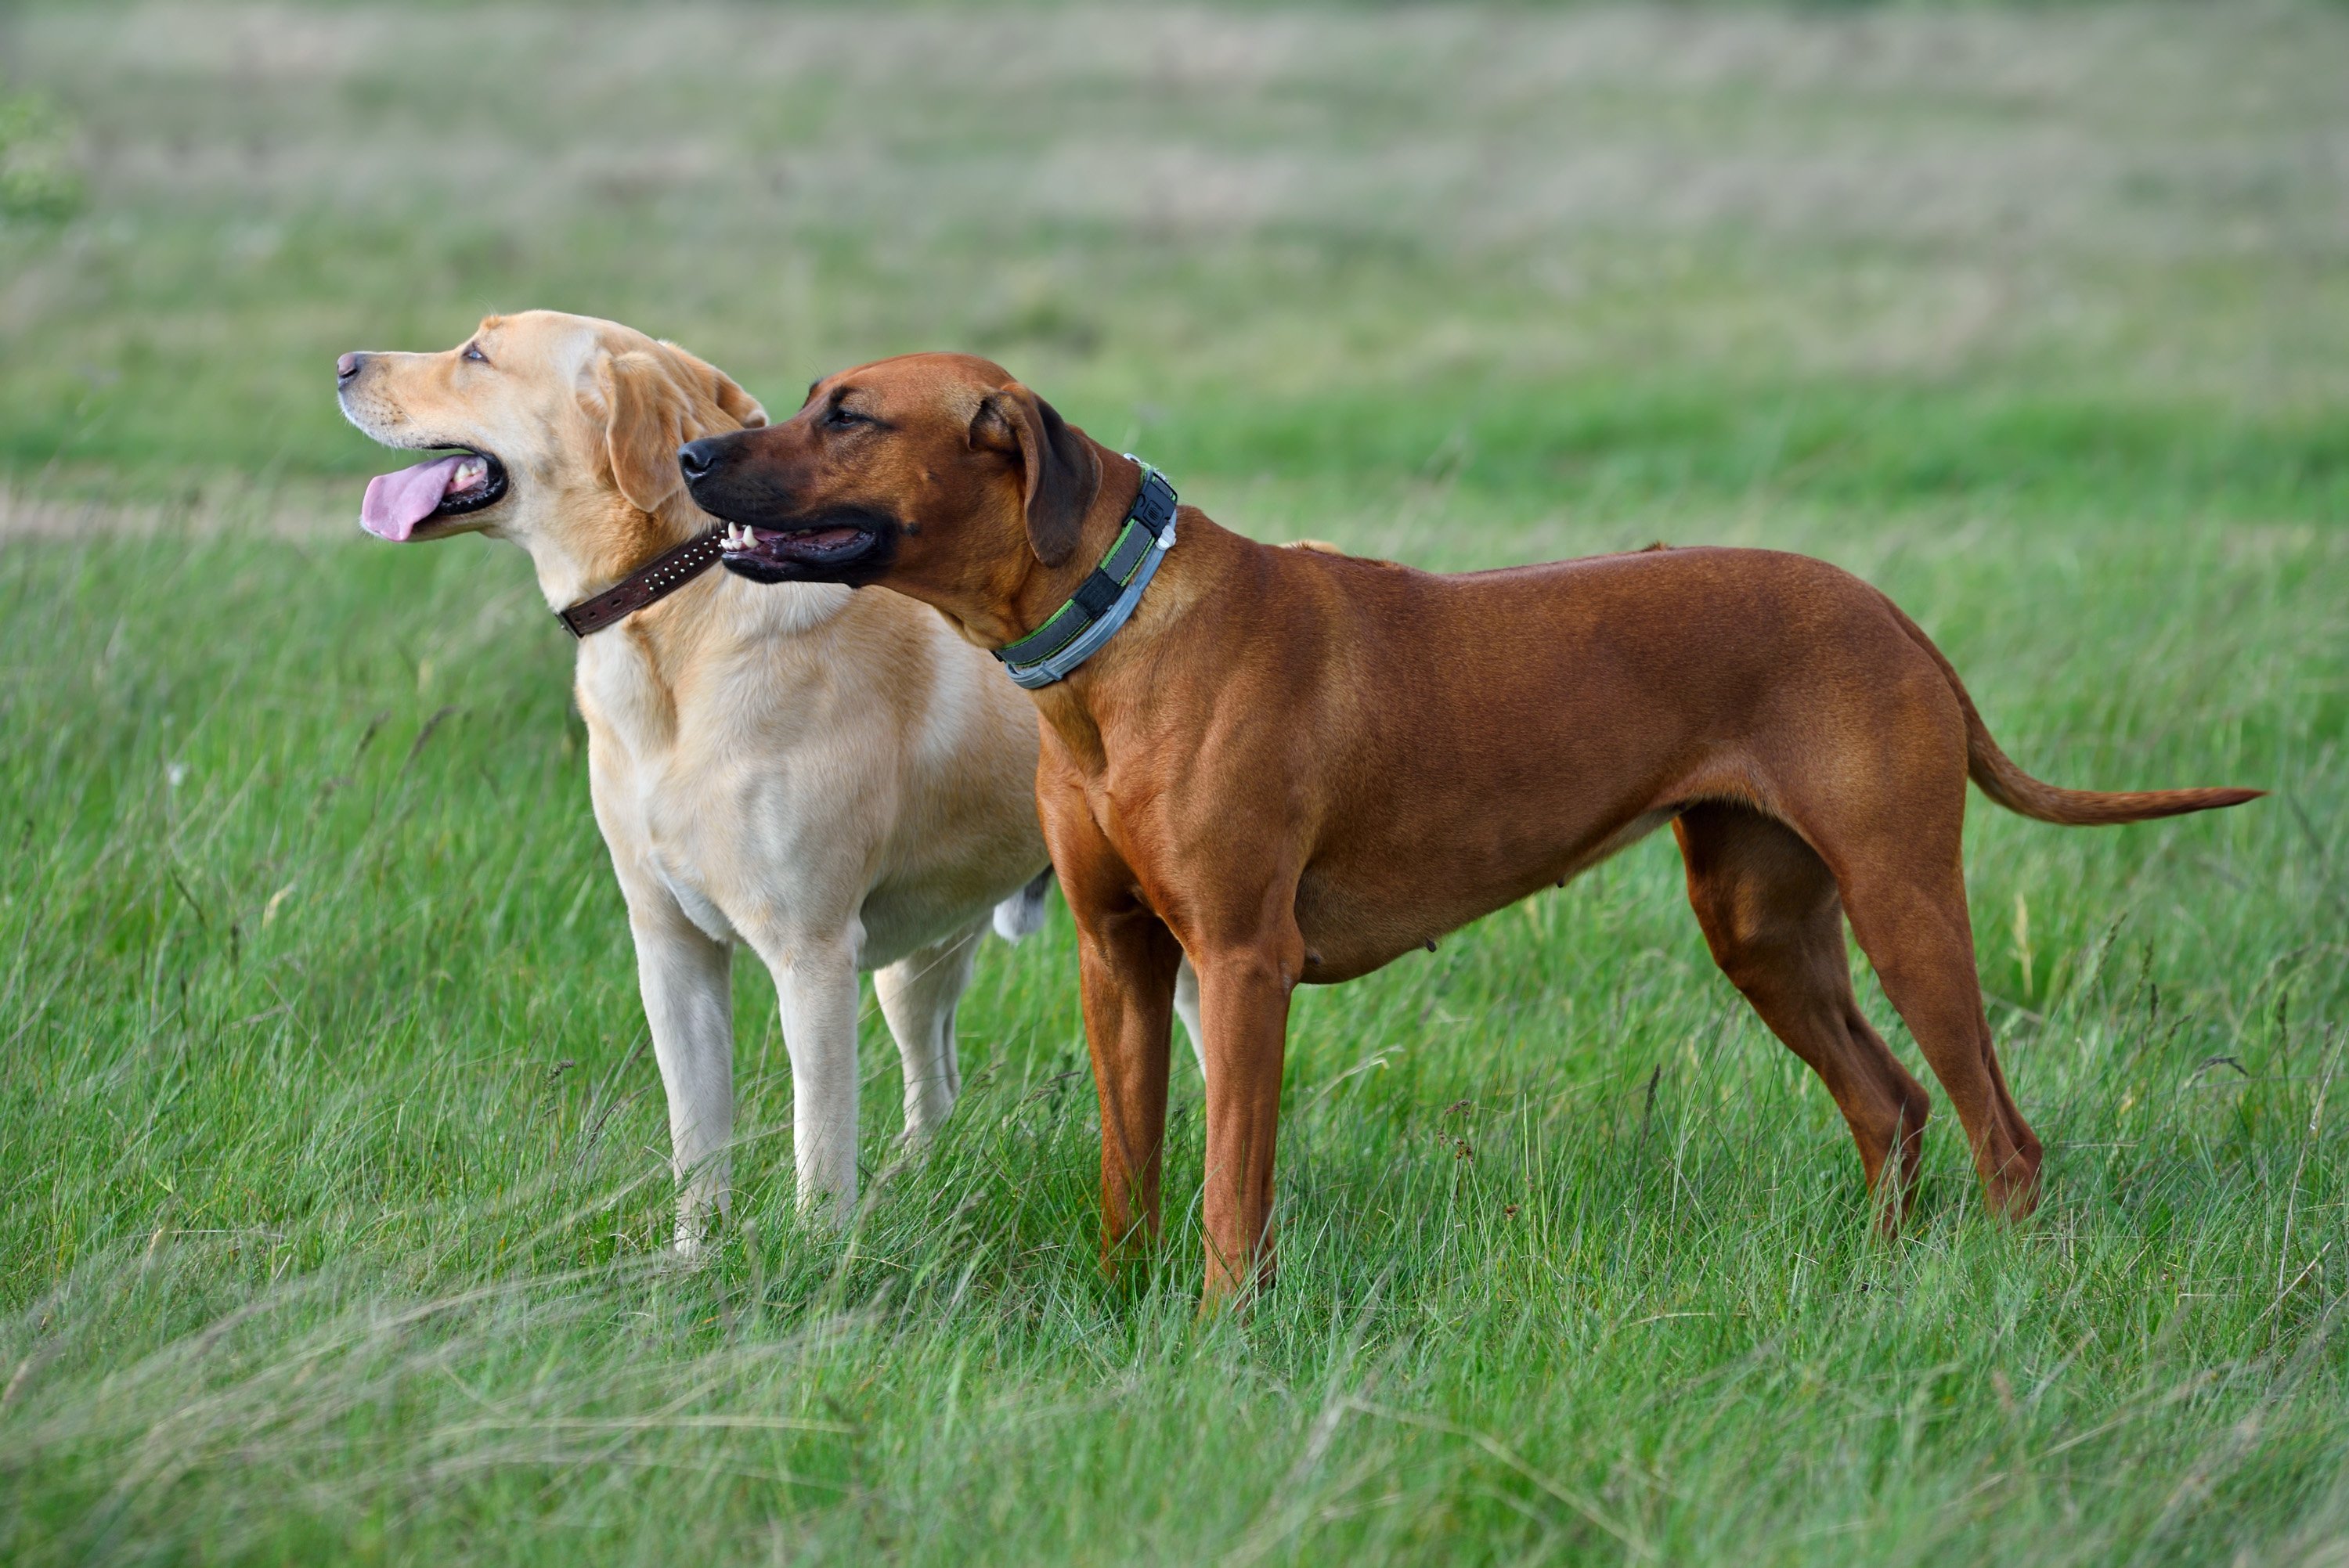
332	1160
1585	256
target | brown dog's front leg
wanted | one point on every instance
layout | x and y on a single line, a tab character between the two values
1127	961
1243	1008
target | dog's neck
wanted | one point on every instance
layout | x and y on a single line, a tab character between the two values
603	538
597	539
1201	555
1030	590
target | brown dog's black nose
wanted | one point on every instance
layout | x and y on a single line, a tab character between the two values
347	367
695	459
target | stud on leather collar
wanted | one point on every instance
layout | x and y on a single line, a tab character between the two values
647	585
1104	601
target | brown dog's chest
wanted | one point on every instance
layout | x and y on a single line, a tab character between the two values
1197	833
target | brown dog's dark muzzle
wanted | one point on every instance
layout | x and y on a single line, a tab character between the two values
728	478
776	536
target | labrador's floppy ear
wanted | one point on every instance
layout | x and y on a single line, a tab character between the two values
1061	472
645	413
653	404
739	405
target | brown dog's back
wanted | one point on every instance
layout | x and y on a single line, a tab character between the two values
1762	609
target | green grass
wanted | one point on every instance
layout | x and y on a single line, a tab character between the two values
333	1159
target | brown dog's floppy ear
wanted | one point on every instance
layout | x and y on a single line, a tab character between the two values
653	404
1061	472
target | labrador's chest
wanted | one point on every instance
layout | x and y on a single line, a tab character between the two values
746	810
660	813
688	883
676	798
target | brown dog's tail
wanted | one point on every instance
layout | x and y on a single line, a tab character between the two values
2018	791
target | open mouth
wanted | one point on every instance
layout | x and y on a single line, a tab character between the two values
771	555
450	485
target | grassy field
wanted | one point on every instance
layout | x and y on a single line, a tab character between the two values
332	1152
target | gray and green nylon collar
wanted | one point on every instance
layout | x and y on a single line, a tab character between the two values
1104	601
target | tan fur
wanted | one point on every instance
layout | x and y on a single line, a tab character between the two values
832	777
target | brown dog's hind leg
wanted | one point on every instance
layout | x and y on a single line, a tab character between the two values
1907	901
1773	919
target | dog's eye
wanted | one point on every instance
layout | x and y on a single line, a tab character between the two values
841	419
473	352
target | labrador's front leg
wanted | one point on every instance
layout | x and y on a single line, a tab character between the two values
685	981
918	995
816	981
1186	1007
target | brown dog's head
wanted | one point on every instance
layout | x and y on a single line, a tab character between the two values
542	422
937	474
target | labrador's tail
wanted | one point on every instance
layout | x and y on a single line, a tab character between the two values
1022	915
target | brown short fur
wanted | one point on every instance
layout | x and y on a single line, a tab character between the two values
1295	765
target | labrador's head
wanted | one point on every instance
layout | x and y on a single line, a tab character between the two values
934	474
539	423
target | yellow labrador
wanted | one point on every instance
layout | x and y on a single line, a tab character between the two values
834	778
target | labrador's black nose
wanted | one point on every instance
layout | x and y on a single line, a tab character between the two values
347	367
695	459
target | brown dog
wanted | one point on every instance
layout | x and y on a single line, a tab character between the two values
1295	765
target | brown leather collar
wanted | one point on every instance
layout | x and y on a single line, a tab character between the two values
648	584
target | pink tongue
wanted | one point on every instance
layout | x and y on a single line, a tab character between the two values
397	502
